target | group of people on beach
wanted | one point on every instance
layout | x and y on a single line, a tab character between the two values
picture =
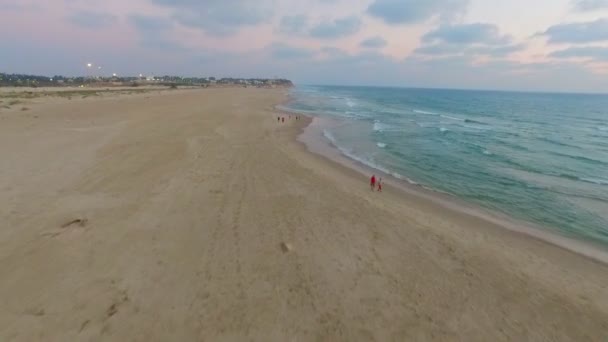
375	182
282	118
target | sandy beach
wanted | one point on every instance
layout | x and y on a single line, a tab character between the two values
192	215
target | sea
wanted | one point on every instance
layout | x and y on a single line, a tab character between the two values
536	157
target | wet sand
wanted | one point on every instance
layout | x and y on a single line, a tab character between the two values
194	215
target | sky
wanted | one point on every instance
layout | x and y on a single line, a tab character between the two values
527	45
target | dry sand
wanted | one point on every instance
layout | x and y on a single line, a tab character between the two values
193	215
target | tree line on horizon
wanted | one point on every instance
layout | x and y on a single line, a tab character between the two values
25	80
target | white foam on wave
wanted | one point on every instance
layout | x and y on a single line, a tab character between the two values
602	128
418	111
595	181
487	153
362	160
350	103
381	145
443	129
295	110
378	127
451	117
400	177
476	127
382	127
349	153
367	162
327	134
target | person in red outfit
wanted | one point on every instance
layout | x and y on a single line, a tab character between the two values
372	182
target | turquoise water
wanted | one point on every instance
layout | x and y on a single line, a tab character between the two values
537	157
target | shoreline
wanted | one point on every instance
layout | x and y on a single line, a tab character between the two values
313	140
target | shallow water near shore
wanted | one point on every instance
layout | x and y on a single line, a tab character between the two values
541	158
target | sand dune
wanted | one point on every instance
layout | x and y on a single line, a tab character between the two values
193	215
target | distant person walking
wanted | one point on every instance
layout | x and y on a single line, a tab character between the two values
283	119
380	185
372	182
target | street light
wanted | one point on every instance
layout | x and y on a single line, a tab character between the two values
89	68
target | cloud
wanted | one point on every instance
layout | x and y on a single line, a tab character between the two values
148	23
584	32
483	50
589	5
596	53
415	11
92	20
154	33
468	39
337	67
449	72
295	24
285	51
337	28
467	34
363	59
219	17
15	7
374	42
495	51
333	52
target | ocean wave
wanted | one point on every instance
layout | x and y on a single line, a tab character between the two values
418	111
443	129
371	164
513	145
557	142
296	110
381	145
569	193
365	161
475	127
579	158
595	181
382	127
602	128
452	117
475	122
487	153
575	178
562	175
350	103
400	177
351	115
325	112
327	134
348	153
